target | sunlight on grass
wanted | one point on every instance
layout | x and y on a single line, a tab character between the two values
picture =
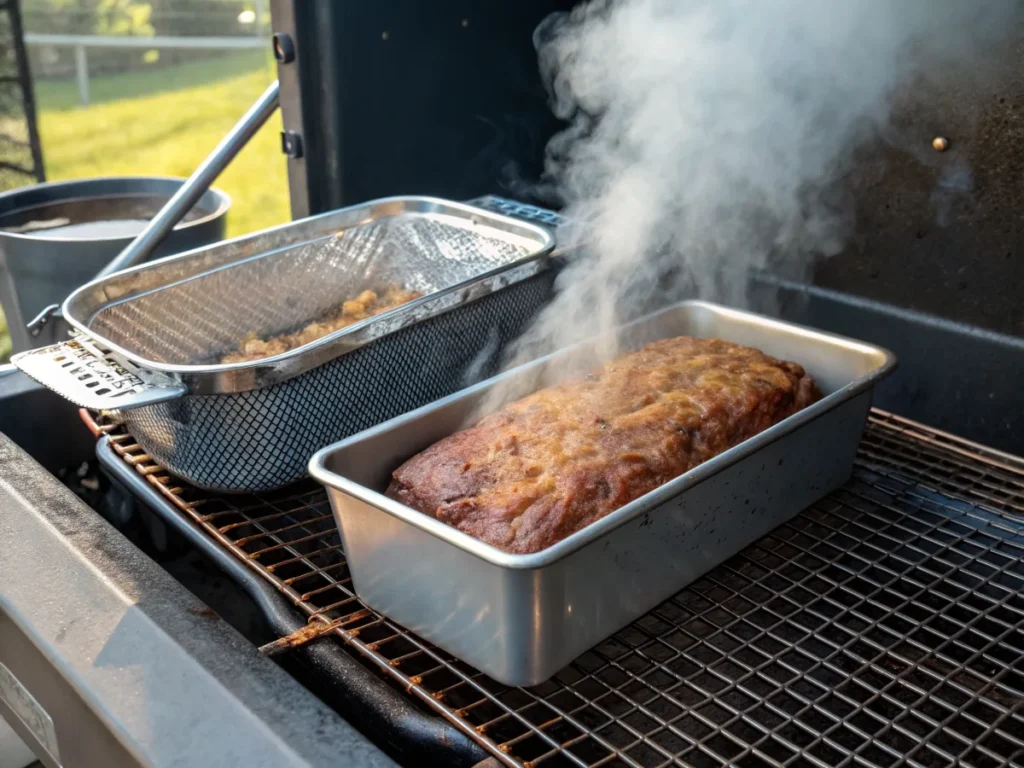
151	79
171	121
163	122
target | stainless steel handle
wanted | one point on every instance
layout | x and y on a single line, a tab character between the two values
196	184
93	377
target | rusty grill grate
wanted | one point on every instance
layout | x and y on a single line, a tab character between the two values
882	626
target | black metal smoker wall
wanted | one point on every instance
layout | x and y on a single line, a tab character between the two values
444	98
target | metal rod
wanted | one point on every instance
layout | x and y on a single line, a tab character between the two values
82	75
24	78
196	184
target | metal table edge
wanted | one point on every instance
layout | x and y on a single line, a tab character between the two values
361	696
139	649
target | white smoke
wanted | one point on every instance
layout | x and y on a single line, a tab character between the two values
707	138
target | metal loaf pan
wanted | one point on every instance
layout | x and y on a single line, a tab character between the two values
521	618
151	337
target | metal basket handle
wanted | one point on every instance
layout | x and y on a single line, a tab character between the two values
92	377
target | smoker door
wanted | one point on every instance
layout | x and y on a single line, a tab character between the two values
440	98
445	98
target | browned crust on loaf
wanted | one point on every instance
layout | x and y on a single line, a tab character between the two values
543	467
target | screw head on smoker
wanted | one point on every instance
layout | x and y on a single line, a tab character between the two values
940	144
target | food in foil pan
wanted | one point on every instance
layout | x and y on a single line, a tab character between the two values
546	466
366	304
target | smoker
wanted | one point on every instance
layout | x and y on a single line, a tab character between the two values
174	623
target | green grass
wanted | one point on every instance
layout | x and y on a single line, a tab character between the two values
163	121
151	80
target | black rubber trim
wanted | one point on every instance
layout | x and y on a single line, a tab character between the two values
353	690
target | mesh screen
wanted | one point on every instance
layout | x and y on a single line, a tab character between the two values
263	438
196	320
19	143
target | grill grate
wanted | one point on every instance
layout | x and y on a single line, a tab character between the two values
882	626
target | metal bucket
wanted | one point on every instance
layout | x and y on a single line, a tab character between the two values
56	237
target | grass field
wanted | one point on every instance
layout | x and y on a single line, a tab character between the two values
163	121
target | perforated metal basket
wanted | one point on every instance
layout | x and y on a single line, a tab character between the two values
150	338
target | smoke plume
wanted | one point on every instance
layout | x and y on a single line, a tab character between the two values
706	138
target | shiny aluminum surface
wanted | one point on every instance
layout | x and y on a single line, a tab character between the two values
521	618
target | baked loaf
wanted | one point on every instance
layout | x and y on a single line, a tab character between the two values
544	467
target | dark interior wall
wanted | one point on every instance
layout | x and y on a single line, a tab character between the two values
405	97
943	233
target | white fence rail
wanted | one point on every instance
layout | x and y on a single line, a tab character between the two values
81	42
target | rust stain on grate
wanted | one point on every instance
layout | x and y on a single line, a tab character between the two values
882	626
